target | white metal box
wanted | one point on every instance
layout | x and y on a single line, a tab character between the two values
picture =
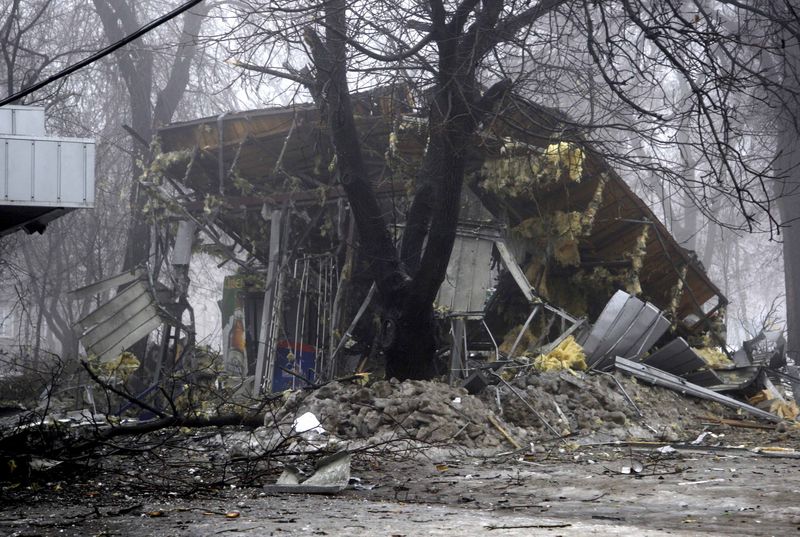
46	172
22	120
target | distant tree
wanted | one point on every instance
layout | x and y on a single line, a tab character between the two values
154	91
142	86
40	270
27	46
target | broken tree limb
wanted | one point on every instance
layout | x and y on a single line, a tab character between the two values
299	376
224	420
131	399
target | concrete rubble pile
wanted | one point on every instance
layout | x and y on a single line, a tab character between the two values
428	412
594	408
590	409
617	379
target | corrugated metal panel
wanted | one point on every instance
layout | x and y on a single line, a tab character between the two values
661	378
118	280
112	346
22	120
654	333
648	326
468	275
604	322
112	307
46	172
621	326
121	322
676	357
626	327
128	311
705	377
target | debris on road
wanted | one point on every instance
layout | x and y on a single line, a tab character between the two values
332	475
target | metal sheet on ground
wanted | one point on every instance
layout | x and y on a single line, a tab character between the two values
654	334
707	378
673	382
633	343
676	357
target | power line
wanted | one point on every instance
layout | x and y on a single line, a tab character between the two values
102	53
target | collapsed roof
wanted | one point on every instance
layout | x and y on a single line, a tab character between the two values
240	162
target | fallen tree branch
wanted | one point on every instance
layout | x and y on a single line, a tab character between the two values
225	420
121	393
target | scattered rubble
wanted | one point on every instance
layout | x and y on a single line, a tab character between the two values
585	408
428	412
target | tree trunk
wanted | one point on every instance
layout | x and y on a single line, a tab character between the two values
408	285
136	65
787	168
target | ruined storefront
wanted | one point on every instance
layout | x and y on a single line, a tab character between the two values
549	232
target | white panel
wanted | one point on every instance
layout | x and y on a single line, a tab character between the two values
468	275
6	121
20	169
113	306
130	339
46	176
74	169
22	120
88	186
28	121
3	169
63	169
112	282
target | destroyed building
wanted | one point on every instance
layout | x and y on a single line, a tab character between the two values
545	218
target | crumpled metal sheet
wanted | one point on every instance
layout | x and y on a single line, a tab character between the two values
681	385
332	476
626	327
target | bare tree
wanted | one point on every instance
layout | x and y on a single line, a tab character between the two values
631	57
86	245
152	98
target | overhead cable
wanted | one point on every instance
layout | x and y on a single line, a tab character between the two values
102	53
